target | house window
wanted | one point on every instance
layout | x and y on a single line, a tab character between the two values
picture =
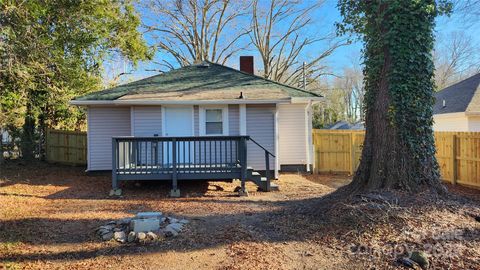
213	122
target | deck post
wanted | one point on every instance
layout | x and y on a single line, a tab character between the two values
454	159
115	190
267	170
243	163
175	192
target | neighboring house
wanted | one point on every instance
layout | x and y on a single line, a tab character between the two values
457	107
341	125
204	102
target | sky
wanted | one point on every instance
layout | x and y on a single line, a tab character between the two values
324	19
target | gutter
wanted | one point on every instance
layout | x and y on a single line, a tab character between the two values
472	113
191	102
310	100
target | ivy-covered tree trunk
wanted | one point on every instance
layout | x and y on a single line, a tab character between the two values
399	149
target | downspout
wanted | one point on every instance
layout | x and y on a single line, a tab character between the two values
277	153
308	142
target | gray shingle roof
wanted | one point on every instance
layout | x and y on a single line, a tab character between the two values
203	81
463	96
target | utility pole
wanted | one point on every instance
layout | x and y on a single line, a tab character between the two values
304	77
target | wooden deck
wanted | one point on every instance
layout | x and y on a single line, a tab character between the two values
184	158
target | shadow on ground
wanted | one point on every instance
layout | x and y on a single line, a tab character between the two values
217	219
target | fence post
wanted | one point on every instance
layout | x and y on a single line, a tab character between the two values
454	159
352	154
315	154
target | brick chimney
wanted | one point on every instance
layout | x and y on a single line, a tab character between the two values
246	64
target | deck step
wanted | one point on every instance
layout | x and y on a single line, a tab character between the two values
261	181
274	187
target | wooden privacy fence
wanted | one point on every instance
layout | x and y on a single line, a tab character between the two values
458	153
66	147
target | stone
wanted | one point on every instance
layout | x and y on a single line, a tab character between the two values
152	236
106	227
141	236
145	215
177	227
120	236
132	236
160	235
172	220
184	221
123	221
101	232
421	258
107	236
146	225
169	232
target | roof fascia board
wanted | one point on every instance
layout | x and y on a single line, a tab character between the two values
174	102
450	115
472	113
312	100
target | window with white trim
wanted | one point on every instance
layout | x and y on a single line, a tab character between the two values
213	122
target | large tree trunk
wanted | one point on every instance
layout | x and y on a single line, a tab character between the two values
389	158
386	161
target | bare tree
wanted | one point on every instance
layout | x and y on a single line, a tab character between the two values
456	57
349	86
354	77
469	10
279	34
195	30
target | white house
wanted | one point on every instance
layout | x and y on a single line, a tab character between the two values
457	107
200	101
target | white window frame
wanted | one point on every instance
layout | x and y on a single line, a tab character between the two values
202	119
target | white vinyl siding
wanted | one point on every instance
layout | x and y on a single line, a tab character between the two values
107	122
474	123
196	121
291	134
147	121
450	122
103	124
261	128
234	120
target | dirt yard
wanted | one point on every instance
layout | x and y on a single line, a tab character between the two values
48	215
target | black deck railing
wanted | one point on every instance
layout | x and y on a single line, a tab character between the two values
179	158
267	159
